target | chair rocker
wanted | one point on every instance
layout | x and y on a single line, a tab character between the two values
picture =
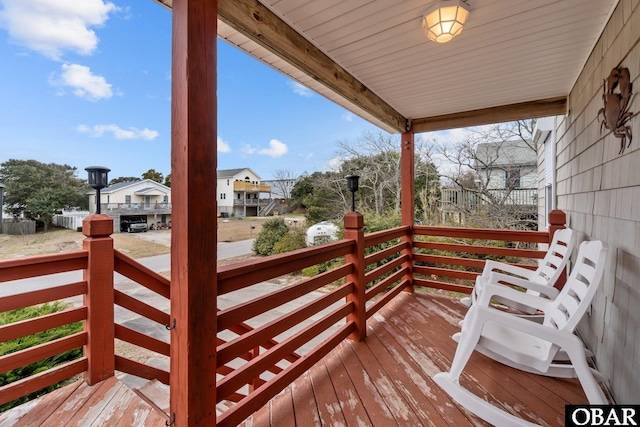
537	282
526	345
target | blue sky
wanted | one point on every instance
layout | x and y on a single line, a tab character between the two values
87	82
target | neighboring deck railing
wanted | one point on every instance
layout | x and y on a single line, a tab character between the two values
256	359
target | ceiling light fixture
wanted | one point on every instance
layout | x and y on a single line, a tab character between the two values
445	20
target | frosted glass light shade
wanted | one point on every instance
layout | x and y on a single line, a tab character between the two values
445	20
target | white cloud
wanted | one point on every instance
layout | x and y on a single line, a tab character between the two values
247	149
83	82
223	146
52	27
348	117
119	133
300	89
333	165
276	149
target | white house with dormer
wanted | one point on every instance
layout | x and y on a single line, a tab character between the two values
242	193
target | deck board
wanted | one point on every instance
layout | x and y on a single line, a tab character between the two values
108	403
329	408
385	380
352	409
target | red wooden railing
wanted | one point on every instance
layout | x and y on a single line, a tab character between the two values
253	363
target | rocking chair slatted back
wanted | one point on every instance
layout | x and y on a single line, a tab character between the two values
574	299
554	261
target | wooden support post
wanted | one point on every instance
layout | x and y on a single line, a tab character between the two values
99	298
194	231
353	230
557	221
407	194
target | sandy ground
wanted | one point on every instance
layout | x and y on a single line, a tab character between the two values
58	240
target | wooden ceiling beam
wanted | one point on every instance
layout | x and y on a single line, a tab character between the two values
256	22
504	113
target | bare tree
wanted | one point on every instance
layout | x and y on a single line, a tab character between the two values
490	176
284	180
376	158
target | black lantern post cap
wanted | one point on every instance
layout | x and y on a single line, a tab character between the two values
98	177
352	186
352	182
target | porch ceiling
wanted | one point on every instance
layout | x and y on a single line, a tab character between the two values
514	58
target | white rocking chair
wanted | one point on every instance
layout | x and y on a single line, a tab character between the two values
527	345
537	282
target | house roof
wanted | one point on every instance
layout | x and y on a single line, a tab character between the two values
232	173
507	153
151	184
515	59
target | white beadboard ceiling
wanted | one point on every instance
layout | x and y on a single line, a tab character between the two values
510	51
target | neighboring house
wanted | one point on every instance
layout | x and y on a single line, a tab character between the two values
508	166
508	173
281	192
241	193
143	201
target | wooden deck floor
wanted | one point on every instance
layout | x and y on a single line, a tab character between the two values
382	381
386	379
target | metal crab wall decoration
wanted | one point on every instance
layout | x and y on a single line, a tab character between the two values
615	113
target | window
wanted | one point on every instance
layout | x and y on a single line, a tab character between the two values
165	199
227	182
223	196
127	200
513	178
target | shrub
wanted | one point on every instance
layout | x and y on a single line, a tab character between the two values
294	239
272	231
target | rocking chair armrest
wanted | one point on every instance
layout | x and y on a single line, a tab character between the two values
547	290
490	266
491	290
563	339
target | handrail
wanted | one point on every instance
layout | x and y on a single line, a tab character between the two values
238	276
483	233
257	306
42	323
25	386
429	269
140	274
42	351
378	237
27	299
42	265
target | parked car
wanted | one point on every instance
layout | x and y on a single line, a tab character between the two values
134	224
